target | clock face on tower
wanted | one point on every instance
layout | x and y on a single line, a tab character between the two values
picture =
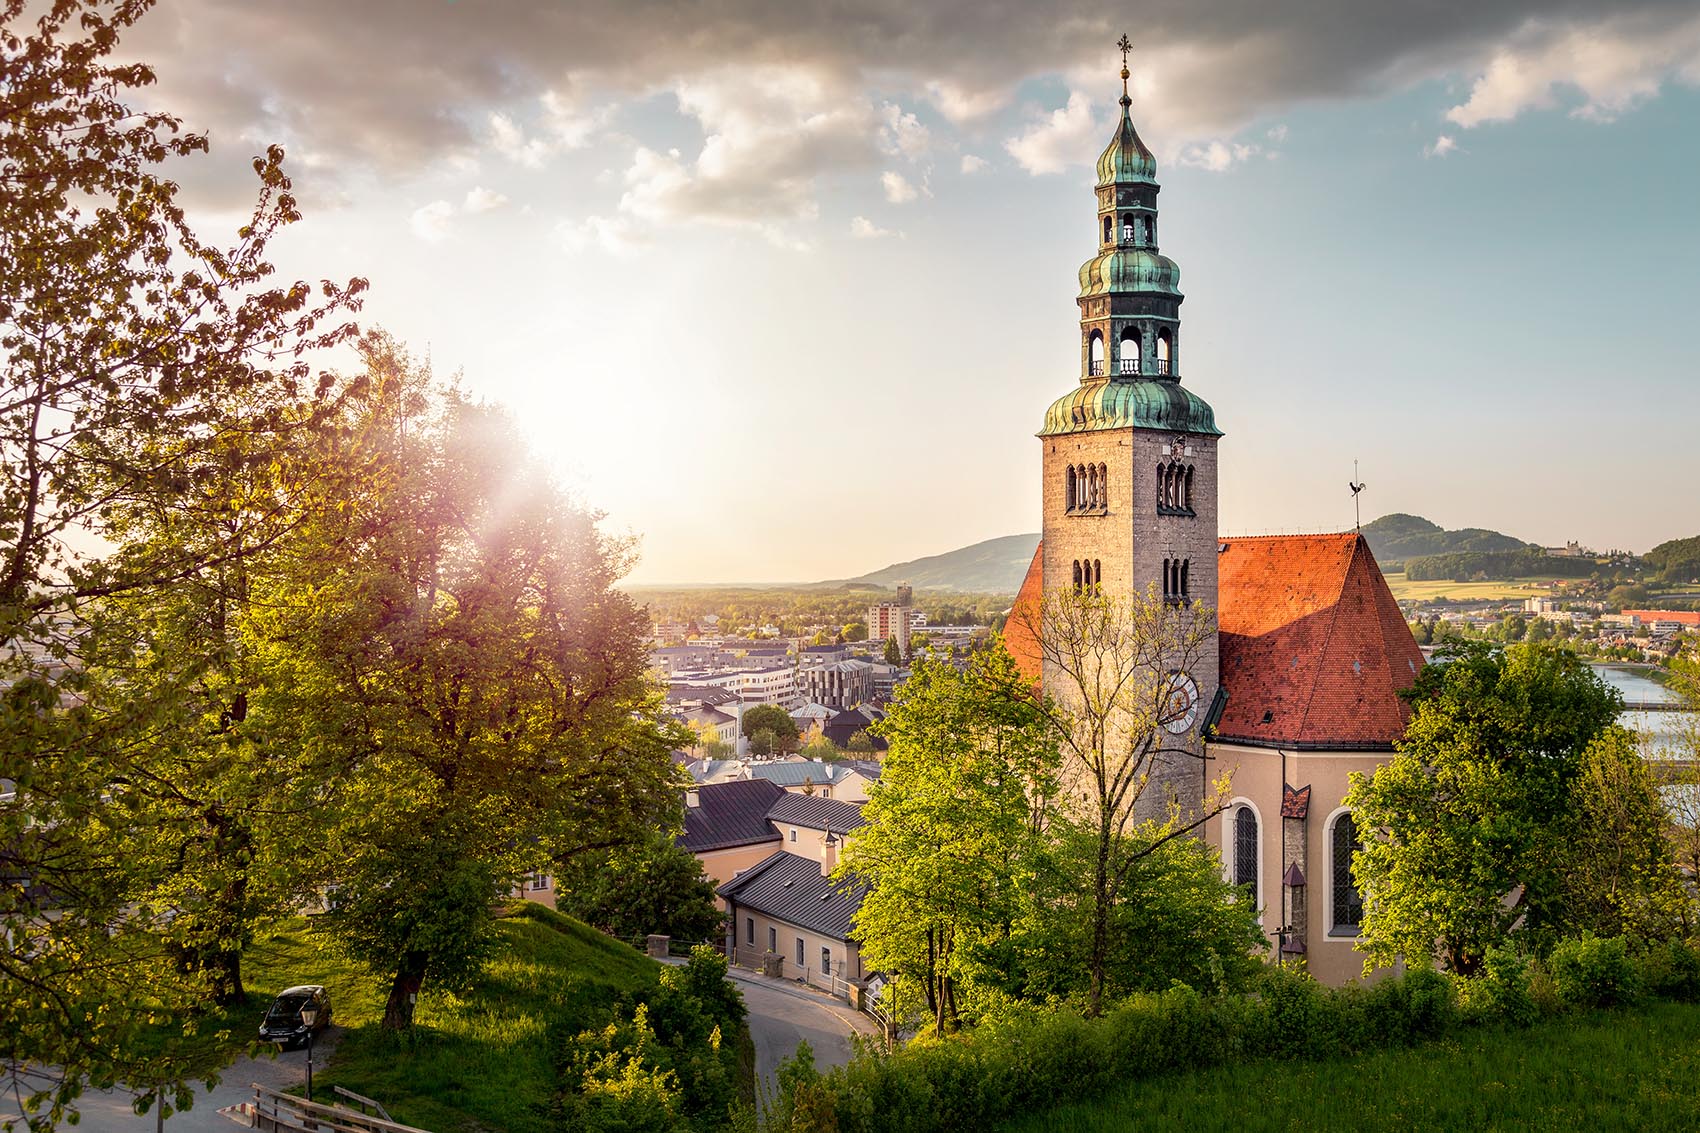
1182	708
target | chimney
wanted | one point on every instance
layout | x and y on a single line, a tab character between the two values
828	853
692	799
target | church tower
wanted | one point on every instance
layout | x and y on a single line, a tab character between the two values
1129	455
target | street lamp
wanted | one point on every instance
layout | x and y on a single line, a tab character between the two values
309	1016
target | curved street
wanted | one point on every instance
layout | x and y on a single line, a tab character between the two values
783	1013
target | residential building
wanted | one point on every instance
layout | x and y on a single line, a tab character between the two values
788	907
847	723
813	776
727	828
840	684
888	620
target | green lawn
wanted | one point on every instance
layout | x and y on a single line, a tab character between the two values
482	1062
1625	1070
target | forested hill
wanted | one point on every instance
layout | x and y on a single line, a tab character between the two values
995	566
1395	538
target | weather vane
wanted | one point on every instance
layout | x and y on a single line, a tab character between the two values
1126	46
1356	488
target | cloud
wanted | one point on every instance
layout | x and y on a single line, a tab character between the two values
897	188
864	229
1613	66
972	165
393	87
480	199
1277	133
431	222
619	235
1067	136
1441	146
1217	156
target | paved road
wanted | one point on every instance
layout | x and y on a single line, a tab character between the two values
109	1111
782	1014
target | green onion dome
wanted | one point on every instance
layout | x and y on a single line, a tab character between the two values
1124	403
1129	269
1126	159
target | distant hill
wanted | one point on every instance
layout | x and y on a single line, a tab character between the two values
1395	538
996	566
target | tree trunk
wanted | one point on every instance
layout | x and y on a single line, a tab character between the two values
1100	922
932	996
409	978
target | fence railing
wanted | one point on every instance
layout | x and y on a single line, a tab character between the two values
273	1112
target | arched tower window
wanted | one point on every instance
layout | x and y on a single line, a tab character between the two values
1078	582
1186	566
1127	227
1109	229
1166	579
1150	230
1128	355
1245	850
1103	486
1159	486
1095	350
1071	489
1164	344
1189	487
1346	904
1097	574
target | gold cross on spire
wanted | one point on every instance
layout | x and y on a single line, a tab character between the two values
1126	46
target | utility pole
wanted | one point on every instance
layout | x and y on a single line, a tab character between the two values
1356	486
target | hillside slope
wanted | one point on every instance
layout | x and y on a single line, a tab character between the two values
995	566
1397	537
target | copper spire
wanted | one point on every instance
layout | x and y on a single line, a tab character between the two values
1126	46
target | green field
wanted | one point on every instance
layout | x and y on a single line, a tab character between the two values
1407	591
1624	1070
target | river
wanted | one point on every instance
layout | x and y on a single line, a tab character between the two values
1663	731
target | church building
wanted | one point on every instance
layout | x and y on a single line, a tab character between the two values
1300	685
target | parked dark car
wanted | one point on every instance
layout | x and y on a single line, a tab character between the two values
283	1023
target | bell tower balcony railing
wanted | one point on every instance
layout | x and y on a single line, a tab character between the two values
1128	366
1163	366
1095	369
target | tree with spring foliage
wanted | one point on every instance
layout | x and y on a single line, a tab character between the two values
450	642
954	823
1117	707
142	368
1471	828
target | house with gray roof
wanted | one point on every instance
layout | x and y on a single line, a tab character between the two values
814	776
788	908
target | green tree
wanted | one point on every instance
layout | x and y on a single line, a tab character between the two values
953	824
454	643
822	749
893	655
655	886
140	367
1120	717
861	743
762	741
855	631
773	719
1621	878
1467	829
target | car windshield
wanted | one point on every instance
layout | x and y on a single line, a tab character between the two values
287	1007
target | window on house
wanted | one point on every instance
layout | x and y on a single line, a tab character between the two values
826	961
793	834
539	881
772	939
1347	903
1245	850
802	957
749	930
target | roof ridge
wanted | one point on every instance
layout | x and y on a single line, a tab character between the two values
1328	638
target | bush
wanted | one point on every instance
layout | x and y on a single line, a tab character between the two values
1671	971
1501	993
1594	972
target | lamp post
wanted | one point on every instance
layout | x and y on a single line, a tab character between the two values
309	1016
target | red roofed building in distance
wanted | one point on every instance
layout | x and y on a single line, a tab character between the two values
1301	685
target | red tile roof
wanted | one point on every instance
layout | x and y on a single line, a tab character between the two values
1314	648
1018	635
1311	638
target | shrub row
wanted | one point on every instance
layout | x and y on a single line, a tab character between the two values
975	1080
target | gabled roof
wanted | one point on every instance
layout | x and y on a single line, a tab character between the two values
792	889
1314	648
815	813
730	814
789	773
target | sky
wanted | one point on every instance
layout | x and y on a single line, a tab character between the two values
784	289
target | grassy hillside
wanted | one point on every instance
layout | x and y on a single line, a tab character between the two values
995	566
482	1061
1427	590
1607	1070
